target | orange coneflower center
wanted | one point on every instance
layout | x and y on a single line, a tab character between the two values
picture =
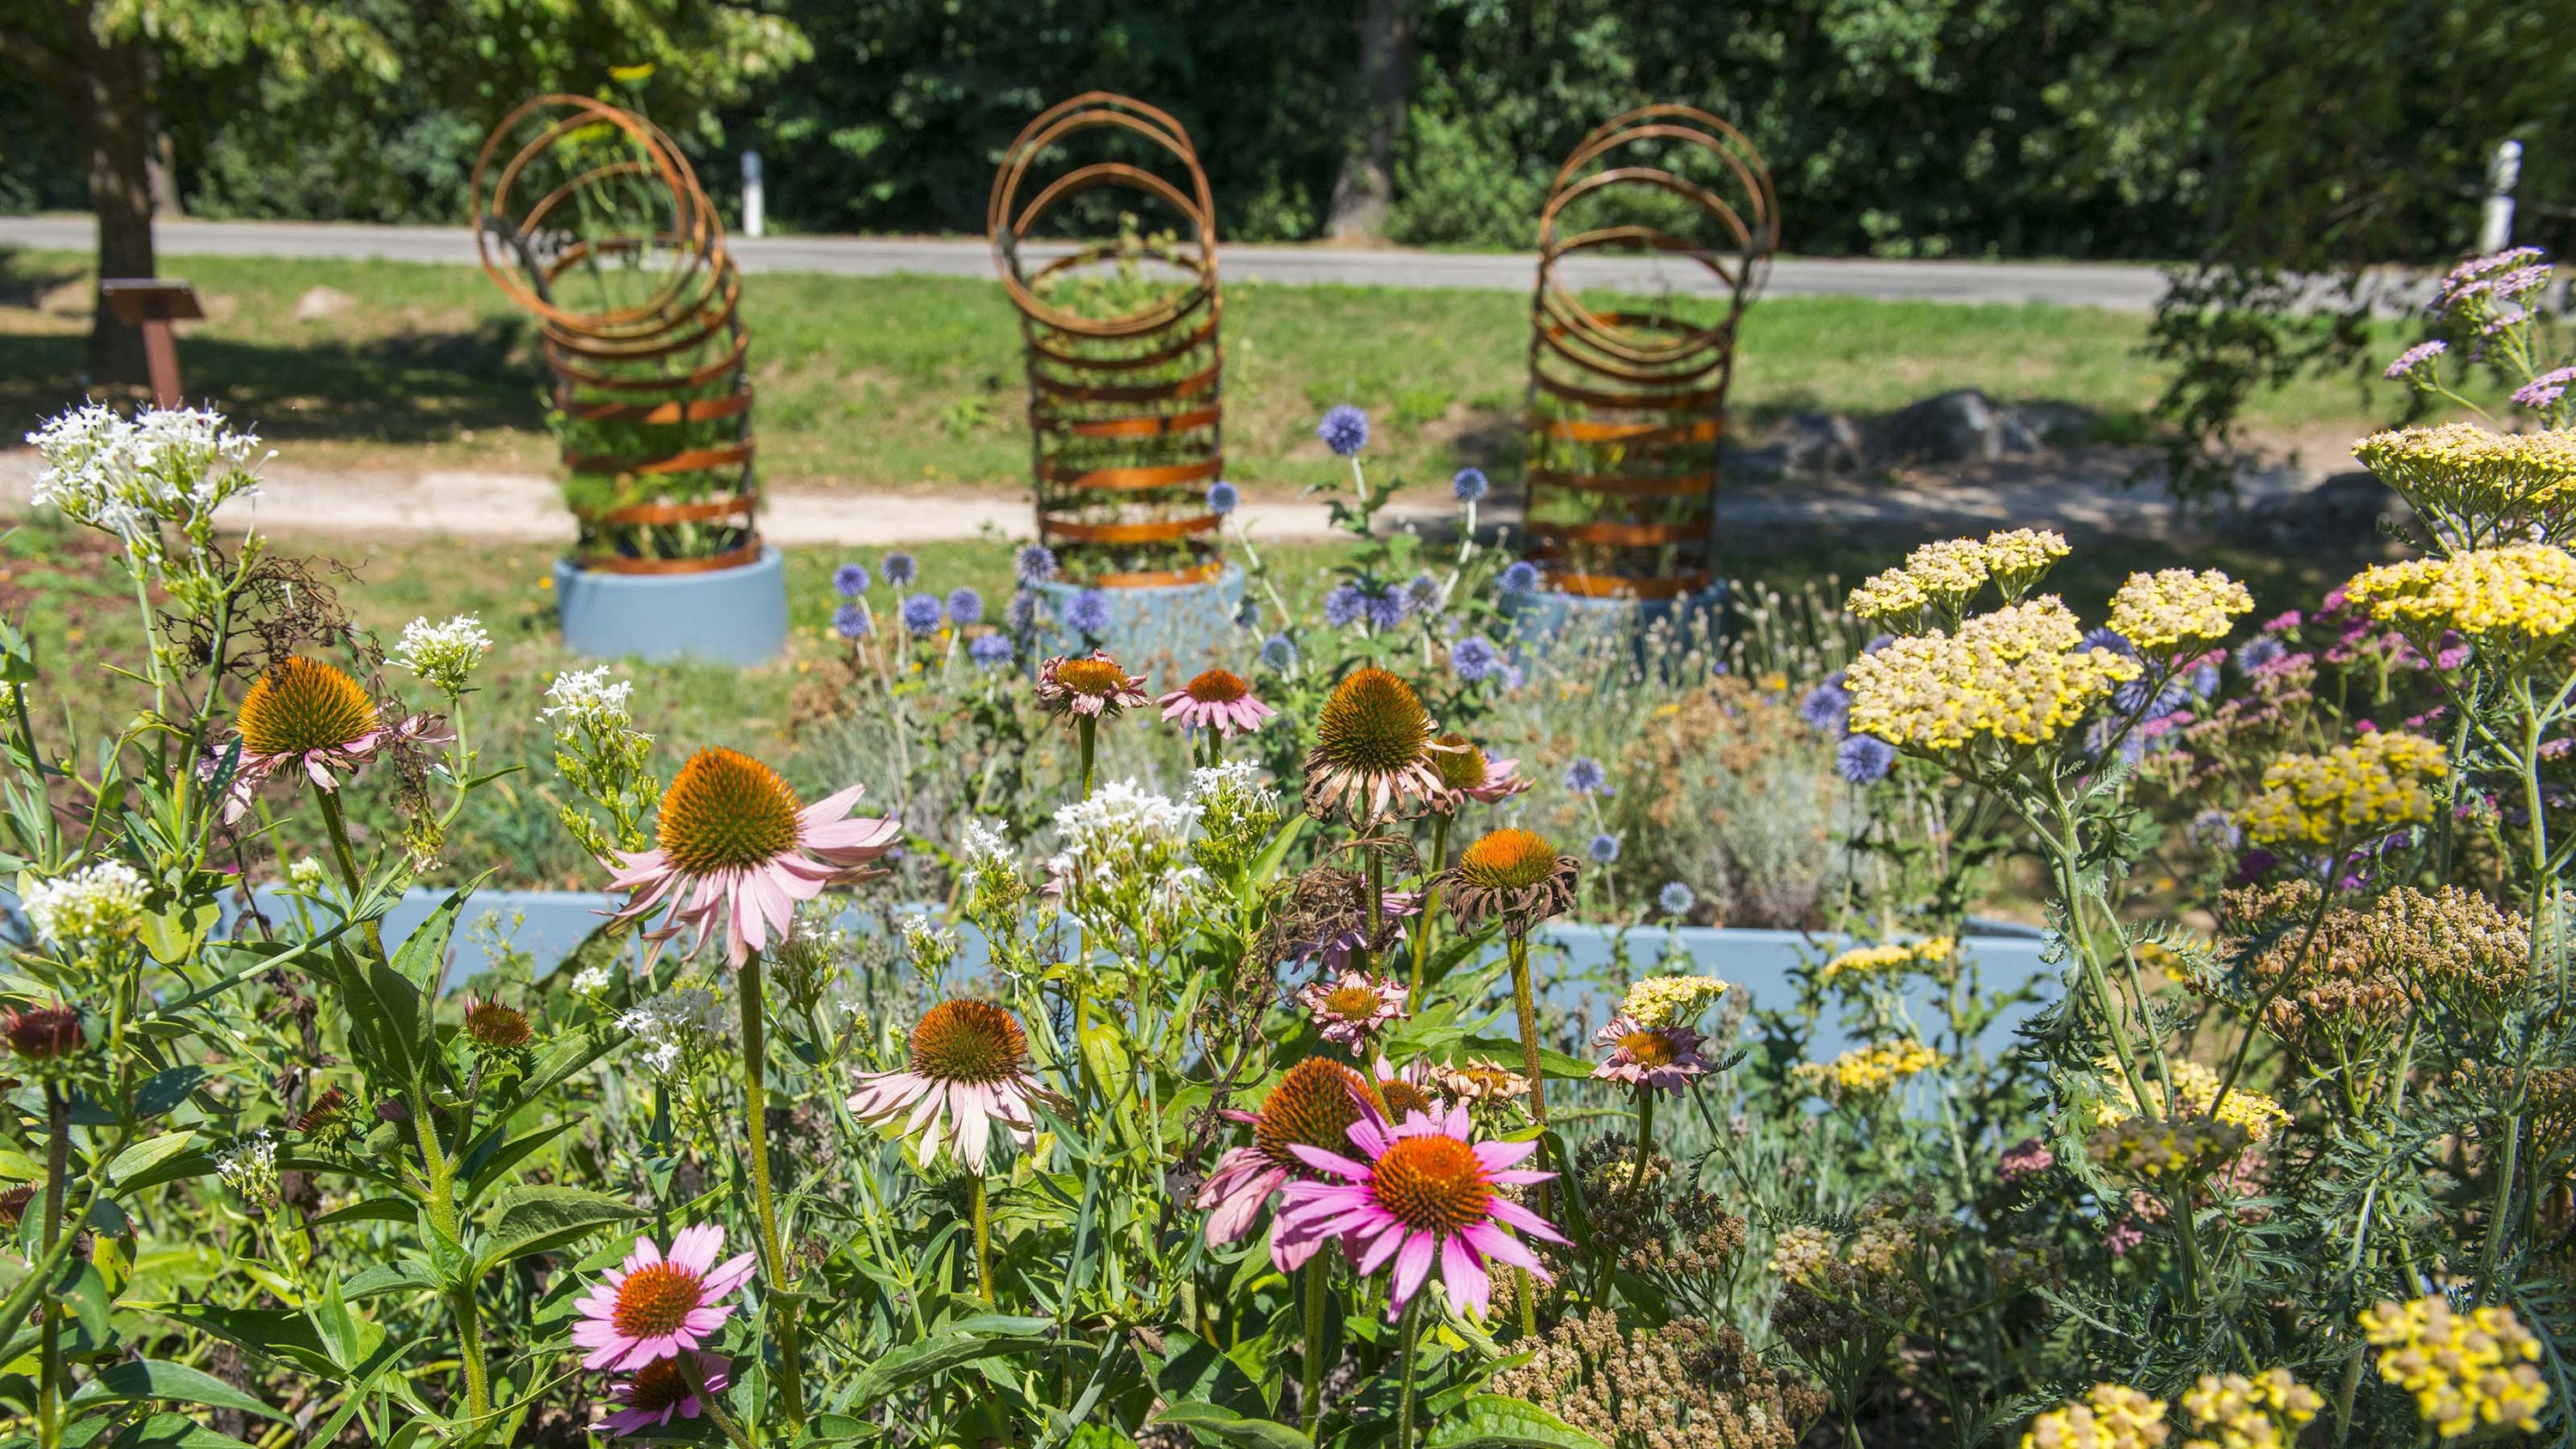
1649	1048
1352	1003
1100	677
1217	686
301	705
726	811
1403	1099
655	1300
1433	1183
1462	765
1508	859
495	1025
659	1385
1373	723
1314	1105
967	1041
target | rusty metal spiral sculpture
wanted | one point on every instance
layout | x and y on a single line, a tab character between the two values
1627	409
589	217
1124	363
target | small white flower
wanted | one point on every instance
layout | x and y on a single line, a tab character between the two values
585	698
249	1167
985	844
444	654
306	877
88	908
166	467
665	1027
590	981
1232	777
931	946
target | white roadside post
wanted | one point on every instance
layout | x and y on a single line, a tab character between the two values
755	208
2495	229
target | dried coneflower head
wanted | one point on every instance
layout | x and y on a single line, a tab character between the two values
1514	874
14	1202
1461	766
302	705
1314	1105
328	1122
1373	749
45	1035
495	1030
726	811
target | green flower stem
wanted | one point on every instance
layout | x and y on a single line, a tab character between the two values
338	826
1429	925
983	1213
49	1371
1310	1386
1645	1137
755	1093
1409	1348
1086	733
707	1401
1516	941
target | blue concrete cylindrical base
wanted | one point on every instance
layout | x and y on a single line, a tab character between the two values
1172	627
1541	619
725	616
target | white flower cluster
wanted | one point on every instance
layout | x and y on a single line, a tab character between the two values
590	981
444	654
986	845
89	908
249	1167
165	466
1237	779
667	1026
930	945
1125	840
585	699
306	877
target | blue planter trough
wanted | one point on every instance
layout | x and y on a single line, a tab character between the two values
724	616
1179	627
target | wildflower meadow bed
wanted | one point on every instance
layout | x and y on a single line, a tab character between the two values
1262	1115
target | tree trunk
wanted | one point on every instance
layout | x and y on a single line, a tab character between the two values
1365	190
113	114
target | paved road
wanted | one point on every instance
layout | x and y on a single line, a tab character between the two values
2122	288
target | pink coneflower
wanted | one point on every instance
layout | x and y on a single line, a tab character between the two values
1352	1008
308	717
1426	1193
1216	700
1468	773
1096	686
654	1307
1663	1057
1407	1089
1314	1105
661	1390
733	847
969	1071
1374	750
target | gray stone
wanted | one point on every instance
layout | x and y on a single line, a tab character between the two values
1964	426
322	303
1801	445
2341	514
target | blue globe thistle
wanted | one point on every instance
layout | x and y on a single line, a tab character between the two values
992	651
1877	642
1604	849
1421	594
965	606
1279	653
850	580
1675	899
900	569
1344	605
1386	609
1022	614
1222	497
1826	706
1518	578
1475	658
2109	638
1864	759
2257	653
850	622
1586	777
1345	429
921	612
1033	565
1470	485
1088	613
2204	680
2132	698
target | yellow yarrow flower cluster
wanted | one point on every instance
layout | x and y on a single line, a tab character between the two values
1890	959
1660	1001
1942	577
2472	481
2506	600
2157	611
2371	786
2014	676
2196	1089
2110	1416
1866	1071
2468	1372
2266	1411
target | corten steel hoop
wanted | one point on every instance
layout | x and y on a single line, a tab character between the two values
589	217
1626	409
1126	405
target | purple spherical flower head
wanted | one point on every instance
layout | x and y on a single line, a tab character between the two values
1279	652
1223	497
850	621
1421	594
1826	706
921	613
2415	357
1033	565
1518	578
1675	899
2109	638
1864	759
1475	658
850	580
965	606
2255	654
1877	642
1470	485
2204	680
1345	429
1022	615
992	651
2131	698
1088	613
1386	608
1586	777
1344	605
1604	848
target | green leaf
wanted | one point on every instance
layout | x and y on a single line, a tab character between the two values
1194	1370
150	1378
1490	1421
147	1154
939	1353
529	1220
1507	1051
385	1278
85	1290
172	1166
1212	1425
496	1154
164	1090
173	1431
372	1210
173	937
